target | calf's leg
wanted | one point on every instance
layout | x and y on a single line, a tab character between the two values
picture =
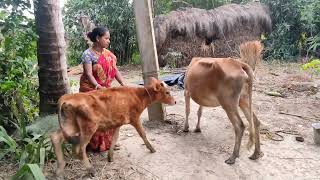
76	151
254	135
137	124
57	139
187	110
257	150
84	141
199	117
113	143
87	129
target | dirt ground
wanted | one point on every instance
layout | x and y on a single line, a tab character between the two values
201	155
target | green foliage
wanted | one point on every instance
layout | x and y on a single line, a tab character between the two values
165	6
162	7
282	43
313	43
9	145
296	24
203	4
295	27
29	172
34	148
313	65
18	85
117	15
136	58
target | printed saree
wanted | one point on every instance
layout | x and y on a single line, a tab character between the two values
104	71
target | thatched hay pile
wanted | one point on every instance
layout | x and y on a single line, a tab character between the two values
209	33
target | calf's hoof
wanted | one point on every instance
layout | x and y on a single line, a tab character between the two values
231	160
197	130
117	147
91	172
59	175
256	155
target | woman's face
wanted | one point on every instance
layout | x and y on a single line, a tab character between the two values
104	40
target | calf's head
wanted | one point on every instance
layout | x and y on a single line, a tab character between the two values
162	93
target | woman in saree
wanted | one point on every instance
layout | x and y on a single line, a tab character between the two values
99	70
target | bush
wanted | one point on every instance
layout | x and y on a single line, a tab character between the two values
18	61
34	148
296	29
313	65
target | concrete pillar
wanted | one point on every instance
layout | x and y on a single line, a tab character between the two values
148	52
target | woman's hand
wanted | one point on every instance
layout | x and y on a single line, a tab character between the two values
98	86
119	78
123	84
87	67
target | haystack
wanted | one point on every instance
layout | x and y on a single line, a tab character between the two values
192	32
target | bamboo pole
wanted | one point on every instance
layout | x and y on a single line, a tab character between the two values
148	52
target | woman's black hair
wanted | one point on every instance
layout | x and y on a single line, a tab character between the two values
98	31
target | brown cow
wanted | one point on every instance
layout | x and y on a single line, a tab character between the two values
226	82
85	113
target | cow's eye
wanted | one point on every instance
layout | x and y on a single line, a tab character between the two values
167	93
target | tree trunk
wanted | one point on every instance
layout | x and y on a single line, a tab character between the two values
53	80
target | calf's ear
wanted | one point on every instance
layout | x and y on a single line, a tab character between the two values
152	80
157	86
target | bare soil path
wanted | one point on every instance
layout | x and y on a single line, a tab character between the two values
201	155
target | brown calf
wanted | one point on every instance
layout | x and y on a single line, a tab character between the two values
226	82
82	114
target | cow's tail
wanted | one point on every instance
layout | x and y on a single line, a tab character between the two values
252	130
70	139
250	53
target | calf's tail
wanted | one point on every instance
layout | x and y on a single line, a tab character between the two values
70	139
250	53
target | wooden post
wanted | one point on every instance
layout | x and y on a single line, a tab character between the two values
147	50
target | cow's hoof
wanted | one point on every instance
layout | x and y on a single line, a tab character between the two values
91	172
186	130
197	130
152	150
256	155
230	161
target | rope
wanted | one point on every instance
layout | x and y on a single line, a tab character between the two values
275	135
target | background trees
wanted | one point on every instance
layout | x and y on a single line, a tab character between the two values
117	15
18	69
296	29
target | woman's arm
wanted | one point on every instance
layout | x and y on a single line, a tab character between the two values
119	78
87	67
